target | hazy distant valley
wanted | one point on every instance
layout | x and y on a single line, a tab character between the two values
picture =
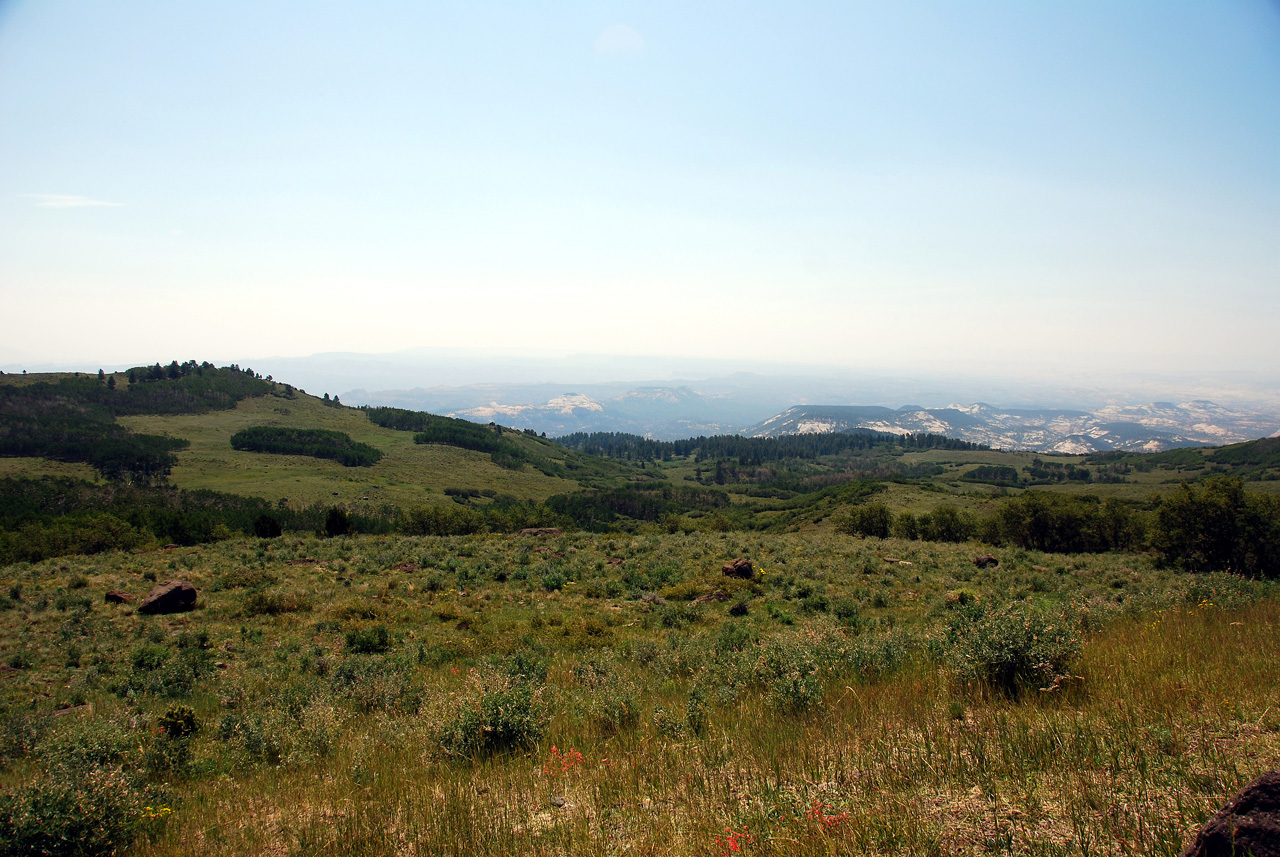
760	406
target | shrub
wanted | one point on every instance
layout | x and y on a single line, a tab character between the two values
373	684
1011	648
371	641
179	722
75	812
870	519
946	524
337	522
495	713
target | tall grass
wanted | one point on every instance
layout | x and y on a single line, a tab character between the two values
437	698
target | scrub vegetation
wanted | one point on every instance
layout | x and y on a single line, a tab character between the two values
857	650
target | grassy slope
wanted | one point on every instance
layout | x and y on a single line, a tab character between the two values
408	474
37	467
1130	759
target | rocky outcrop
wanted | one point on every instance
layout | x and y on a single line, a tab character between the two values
1248	824
172	596
740	568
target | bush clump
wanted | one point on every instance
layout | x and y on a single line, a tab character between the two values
496	712
1011	648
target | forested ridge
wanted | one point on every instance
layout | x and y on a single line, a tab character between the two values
752	450
74	418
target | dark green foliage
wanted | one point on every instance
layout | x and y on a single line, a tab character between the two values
337	522
369	641
317	443
505	450
73	813
1041	472
179	722
41	518
1215	525
1258	459
598	510
266	527
993	474
749	450
946	524
442	521
73	419
870	519
1058	523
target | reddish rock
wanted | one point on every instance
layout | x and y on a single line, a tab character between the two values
115	596
172	596
1248	824
986	560
540	531
739	568
713	596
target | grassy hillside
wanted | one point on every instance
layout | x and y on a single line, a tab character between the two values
598	694
408	474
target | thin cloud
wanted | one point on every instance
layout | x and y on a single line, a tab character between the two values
67	200
619	39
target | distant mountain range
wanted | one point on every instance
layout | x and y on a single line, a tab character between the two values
1139	428
743	404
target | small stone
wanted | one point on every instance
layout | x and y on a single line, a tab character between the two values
557	801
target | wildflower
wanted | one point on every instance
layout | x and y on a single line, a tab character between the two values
827	821
733	842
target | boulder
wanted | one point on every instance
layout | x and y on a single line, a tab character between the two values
115	596
540	531
172	596
1248	824
709	597
986	560
739	568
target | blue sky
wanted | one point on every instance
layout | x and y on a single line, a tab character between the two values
976	186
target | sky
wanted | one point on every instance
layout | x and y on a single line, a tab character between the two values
979	186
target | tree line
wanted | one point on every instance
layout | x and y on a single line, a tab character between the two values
1210	525
749	451
317	443
74	418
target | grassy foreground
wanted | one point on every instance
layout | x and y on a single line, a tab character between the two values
607	695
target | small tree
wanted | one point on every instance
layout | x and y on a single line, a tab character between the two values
1215	525
337	522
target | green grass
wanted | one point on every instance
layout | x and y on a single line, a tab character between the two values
827	719
34	468
409	474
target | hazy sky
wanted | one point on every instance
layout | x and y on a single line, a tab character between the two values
965	185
